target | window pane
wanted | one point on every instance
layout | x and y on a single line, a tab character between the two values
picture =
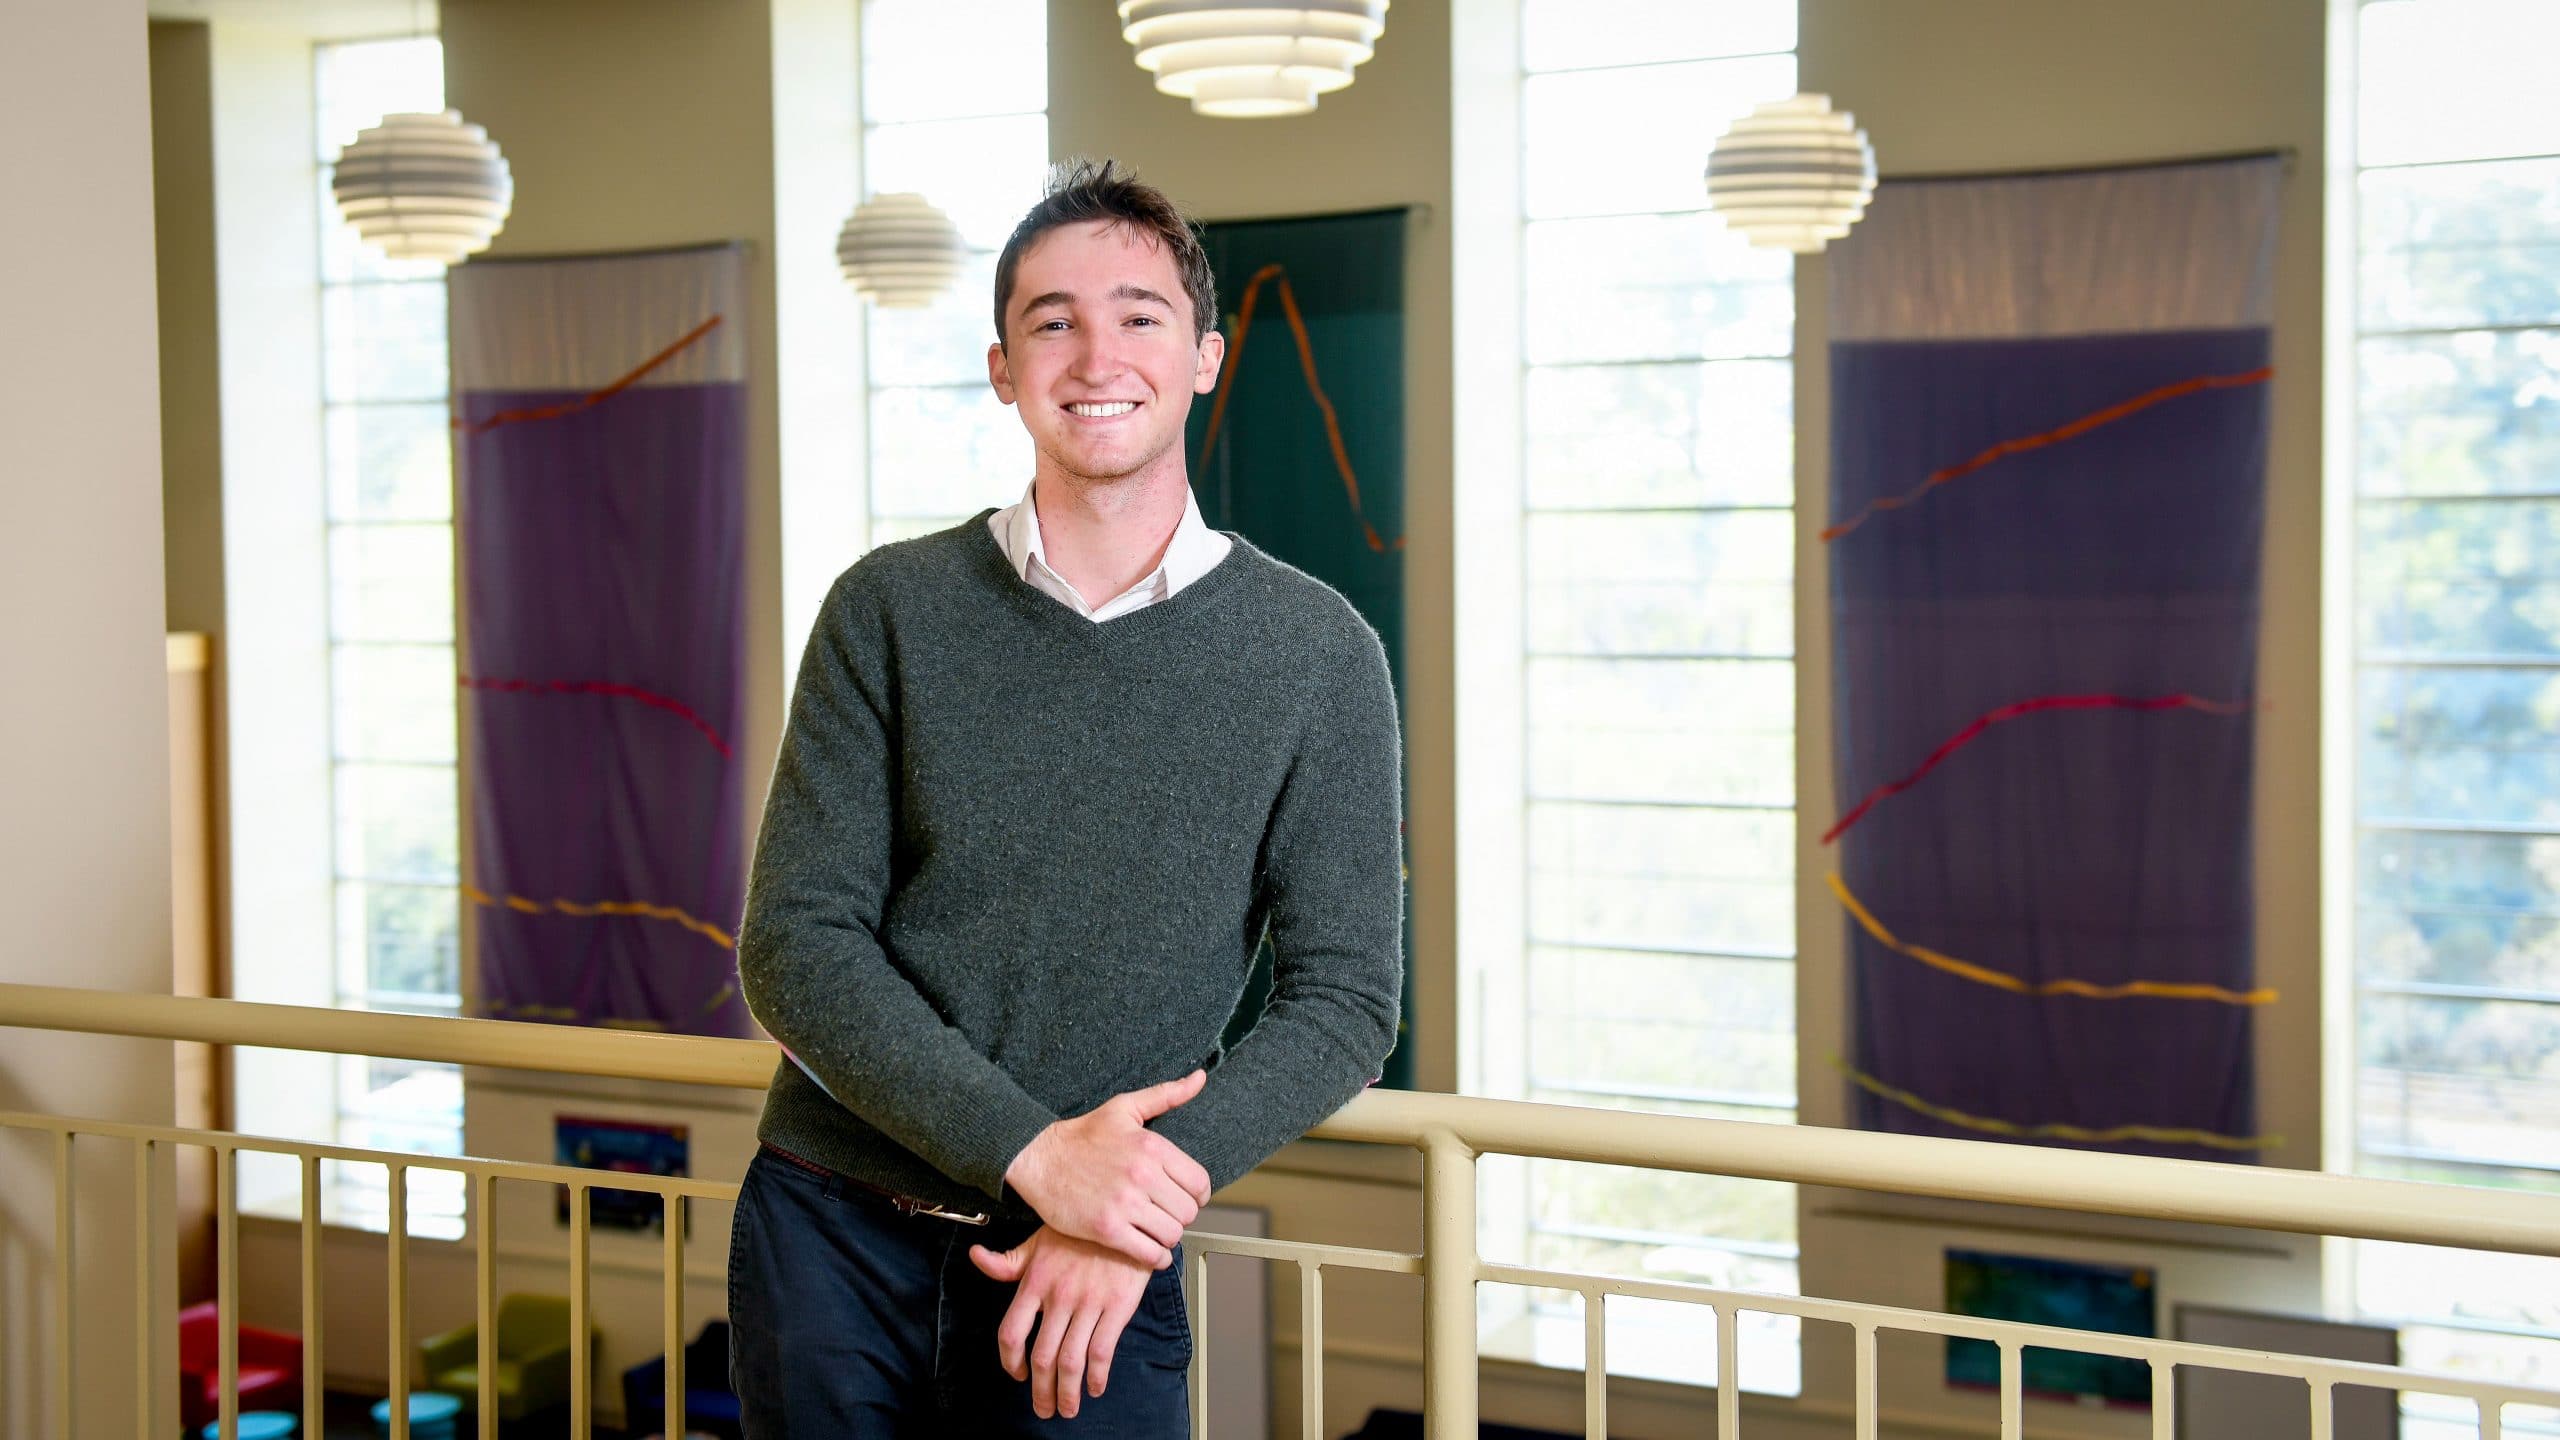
1662	584
2460	909
2485	1118
1715	1028
1578	34
945	451
994	58
357	83
391	582
2459	745
1603	436
895	528
1696	731
402	938
2456	80
393	702
983	173
390	462
385	340
2460	414
944	343
2461	578
2461	245
396	822
1661	876
1606	142
1654	287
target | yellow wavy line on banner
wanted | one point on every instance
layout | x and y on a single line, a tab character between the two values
2158	1134
643	909
2000	979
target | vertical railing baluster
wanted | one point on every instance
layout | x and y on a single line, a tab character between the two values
2323	1395
1311	1349
2164	1400
314	1375
1728	1376
397	1261
673	1213
581	1422
484	1263
146	1277
1595	1362
2493	1416
2012	1384
1195	1303
1866	1346
226	1285
1449	1274
64	1316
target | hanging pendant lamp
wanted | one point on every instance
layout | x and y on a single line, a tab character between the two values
424	187
899	252
1249	58
1793	174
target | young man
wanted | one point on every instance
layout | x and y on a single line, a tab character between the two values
1049	778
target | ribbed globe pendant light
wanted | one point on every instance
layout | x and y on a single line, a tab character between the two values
1793	174
424	187
899	251
1249	58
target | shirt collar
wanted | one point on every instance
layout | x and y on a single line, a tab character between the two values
1193	552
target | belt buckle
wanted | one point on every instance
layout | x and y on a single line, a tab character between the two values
911	1207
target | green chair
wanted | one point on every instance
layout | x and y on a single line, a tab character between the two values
533	1357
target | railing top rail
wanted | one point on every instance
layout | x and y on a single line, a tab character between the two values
2252	1197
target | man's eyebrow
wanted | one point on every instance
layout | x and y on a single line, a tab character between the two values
1119	292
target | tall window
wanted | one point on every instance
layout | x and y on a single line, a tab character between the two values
391	653
1658	658
2455	392
955	97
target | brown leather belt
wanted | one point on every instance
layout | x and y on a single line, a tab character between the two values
903	1204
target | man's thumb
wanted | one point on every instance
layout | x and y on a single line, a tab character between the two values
1005	1265
1157	1099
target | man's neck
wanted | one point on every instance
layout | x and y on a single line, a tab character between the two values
1104	536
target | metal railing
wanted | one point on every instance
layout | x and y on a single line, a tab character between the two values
1451	1132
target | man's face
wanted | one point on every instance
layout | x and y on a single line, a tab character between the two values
1099	355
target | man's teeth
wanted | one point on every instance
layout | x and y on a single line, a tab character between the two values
1098	412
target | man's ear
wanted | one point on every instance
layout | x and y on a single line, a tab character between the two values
1213	353
1000	373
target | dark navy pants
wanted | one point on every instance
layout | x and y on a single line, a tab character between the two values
850	1321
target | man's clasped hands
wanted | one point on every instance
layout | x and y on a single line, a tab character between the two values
1115	1198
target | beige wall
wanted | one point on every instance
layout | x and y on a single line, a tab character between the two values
84	784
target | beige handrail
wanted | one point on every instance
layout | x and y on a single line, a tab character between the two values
2252	1197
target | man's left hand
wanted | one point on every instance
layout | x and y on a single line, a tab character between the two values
1081	1296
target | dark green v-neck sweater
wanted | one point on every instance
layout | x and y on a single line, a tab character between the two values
1014	863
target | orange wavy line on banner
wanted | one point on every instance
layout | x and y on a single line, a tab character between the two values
2157	1134
589	402
2055	436
638	908
1315	387
2001	979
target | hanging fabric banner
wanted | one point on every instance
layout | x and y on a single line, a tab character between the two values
2049	400
600	489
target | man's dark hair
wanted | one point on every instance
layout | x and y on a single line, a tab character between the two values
1086	190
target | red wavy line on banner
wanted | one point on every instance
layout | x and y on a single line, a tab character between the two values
1315	387
2011	712
603	687
2055	436
589	402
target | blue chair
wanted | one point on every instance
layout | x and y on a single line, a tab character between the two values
709	1404
431	1415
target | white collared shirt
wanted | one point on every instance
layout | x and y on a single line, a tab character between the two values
1193	552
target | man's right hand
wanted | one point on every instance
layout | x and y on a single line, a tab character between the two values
1105	1177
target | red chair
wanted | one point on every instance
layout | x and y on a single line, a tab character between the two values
270	1367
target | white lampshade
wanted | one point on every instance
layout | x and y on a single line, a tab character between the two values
1793	174
424	187
1247	58
899	251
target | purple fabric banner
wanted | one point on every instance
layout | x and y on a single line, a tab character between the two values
2049	434
601	501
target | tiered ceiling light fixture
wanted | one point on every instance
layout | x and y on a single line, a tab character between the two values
1793	174
899	252
1243	59
424	187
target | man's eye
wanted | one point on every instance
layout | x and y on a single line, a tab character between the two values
1053	325
1142	319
